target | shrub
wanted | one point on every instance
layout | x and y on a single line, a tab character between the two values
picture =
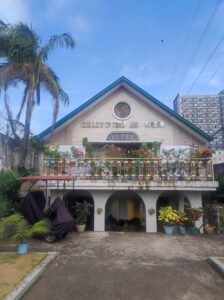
168	216
9	186
16	228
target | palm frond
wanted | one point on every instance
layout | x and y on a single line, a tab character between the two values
63	40
12	73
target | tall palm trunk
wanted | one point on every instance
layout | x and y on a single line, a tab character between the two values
29	109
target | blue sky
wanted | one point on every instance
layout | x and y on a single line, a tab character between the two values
116	38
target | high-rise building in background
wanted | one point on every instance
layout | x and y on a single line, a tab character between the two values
206	112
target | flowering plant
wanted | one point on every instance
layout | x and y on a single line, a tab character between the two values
113	151
202	153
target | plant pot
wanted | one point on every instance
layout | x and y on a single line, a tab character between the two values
182	230
168	229
22	248
194	231
209	229
80	227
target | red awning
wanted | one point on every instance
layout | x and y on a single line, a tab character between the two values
48	177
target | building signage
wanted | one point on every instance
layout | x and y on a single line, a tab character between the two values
147	124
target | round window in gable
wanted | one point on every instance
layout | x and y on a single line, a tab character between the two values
122	110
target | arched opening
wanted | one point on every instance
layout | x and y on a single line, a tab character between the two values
72	197
187	203
125	211
165	199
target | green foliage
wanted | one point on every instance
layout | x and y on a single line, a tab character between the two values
210	214
22	171
36	144
26	57
9	187
168	216
16	228
142	152
52	152
144	146
99	210
113	151
82	210
202	153
155	148
88	146
151	211
194	214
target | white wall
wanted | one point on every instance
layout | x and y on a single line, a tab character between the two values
170	134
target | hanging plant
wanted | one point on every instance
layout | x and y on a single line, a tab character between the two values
151	211
99	210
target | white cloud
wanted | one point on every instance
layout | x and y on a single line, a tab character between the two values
143	74
14	10
96	61
79	23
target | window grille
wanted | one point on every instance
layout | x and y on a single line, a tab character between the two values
122	136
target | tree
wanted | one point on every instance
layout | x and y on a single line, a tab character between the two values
25	63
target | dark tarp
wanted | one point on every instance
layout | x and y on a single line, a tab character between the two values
31	210
59	217
63	221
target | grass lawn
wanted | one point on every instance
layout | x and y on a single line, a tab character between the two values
14	267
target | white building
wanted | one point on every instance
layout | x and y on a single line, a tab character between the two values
126	189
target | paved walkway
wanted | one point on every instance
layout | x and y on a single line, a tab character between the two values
131	266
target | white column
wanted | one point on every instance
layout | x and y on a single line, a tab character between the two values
100	198
181	202
150	199
195	199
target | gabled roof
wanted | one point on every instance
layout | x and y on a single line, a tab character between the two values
126	82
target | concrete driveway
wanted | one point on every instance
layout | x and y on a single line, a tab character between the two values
131	266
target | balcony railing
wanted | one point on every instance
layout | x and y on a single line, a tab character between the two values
131	169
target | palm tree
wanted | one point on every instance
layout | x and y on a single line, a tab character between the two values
25	62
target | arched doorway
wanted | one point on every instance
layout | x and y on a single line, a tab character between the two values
166	198
72	197
187	203
125	211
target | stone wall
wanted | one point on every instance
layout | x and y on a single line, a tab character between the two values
10	154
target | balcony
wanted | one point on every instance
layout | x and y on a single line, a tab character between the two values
131	170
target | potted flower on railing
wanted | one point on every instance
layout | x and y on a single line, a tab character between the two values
202	153
182	222
194	215
168	217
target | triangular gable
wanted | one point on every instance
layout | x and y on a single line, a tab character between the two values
123	81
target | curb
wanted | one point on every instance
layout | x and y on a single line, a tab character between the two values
27	282
217	264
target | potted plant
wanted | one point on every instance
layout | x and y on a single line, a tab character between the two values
168	217
82	210
16	228
210	219
194	214
182	221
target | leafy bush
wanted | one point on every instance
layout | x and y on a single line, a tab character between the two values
194	214
82	210
168	216
9	186
88	146
16	228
